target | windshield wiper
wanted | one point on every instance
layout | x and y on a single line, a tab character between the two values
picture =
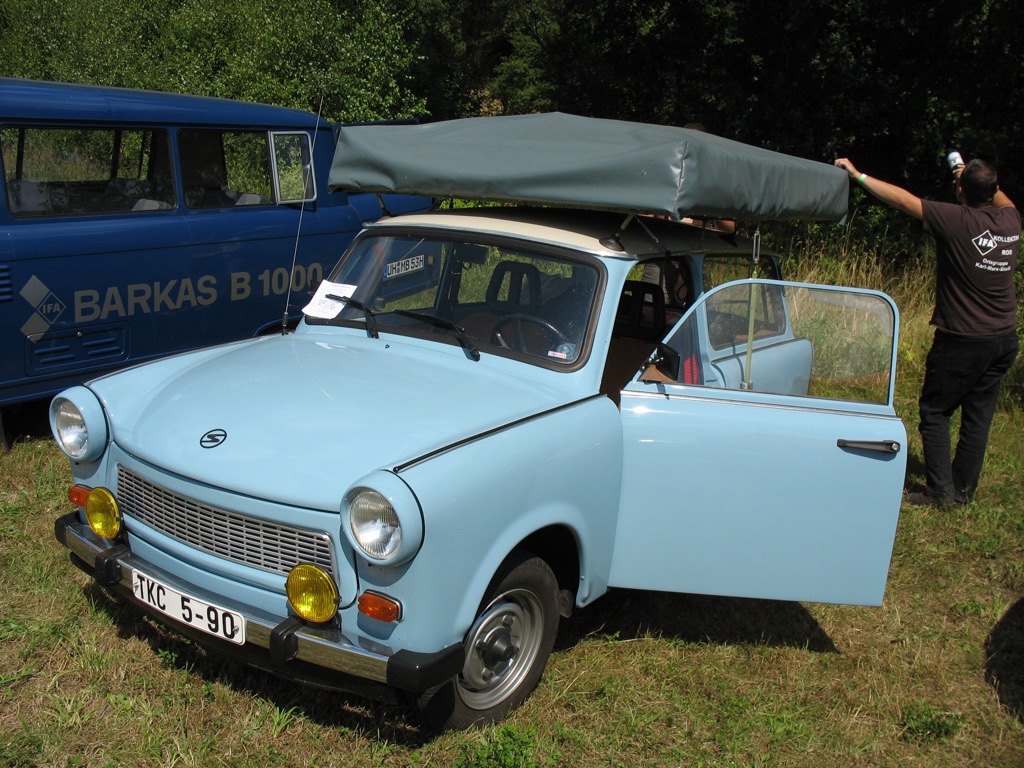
348	301
448	325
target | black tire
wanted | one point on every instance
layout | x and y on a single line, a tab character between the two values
507	648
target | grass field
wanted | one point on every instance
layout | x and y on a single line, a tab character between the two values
935	677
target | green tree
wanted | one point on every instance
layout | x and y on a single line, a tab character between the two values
894	87
93	41
889	84
292	54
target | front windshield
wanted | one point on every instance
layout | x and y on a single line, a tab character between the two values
488	298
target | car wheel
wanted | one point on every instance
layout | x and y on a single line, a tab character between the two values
507	648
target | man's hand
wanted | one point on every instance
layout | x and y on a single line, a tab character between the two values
890	194
847	166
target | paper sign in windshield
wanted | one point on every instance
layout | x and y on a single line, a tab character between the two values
325	303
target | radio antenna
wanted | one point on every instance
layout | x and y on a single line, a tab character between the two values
302	210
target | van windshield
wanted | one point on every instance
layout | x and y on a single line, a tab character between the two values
497	299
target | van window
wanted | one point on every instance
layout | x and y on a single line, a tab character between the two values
137	224
225	168
293	167
76	171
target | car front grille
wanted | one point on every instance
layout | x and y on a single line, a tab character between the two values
241	539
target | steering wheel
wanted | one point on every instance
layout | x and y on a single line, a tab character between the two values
518	322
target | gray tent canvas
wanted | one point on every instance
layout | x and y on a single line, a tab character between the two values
566	160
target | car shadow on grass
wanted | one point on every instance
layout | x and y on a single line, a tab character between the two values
378	721
623	614
1004	660
629	614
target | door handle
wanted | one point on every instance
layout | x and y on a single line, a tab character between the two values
882	446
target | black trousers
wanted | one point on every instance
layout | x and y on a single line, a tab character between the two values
960	373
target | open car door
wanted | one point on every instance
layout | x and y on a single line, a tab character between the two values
763	456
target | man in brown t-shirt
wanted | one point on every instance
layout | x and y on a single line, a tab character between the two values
975	319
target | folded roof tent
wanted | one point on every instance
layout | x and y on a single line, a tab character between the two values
566	160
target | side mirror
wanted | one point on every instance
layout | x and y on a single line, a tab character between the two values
666	360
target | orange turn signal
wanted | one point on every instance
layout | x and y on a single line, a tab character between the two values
379	607
78	494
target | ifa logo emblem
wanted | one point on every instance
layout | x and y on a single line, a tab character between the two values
985	243
47	307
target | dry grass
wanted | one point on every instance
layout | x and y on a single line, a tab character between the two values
935	677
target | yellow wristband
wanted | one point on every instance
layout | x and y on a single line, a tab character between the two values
862	178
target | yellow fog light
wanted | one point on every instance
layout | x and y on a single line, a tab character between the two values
102	513
312	593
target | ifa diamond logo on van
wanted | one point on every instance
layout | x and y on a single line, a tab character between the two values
48	308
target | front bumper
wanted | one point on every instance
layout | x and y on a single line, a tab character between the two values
312	654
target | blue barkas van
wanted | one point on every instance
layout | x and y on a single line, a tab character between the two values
136	224
491	416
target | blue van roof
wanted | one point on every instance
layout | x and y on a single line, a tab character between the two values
40	100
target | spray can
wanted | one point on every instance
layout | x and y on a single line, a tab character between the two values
954	159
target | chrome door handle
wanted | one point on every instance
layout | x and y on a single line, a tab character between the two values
882	446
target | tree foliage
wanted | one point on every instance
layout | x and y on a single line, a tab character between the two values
355	57
893	87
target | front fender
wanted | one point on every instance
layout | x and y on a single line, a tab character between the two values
482	499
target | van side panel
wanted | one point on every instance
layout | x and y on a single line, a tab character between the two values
135	225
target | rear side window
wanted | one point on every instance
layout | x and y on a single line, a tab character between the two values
221	169
75	171
717	269
735	313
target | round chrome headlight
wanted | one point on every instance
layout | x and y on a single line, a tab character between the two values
384	520
78	424
69	428
375	526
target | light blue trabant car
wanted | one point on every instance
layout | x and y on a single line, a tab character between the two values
491	416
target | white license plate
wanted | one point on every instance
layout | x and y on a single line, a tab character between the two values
197	613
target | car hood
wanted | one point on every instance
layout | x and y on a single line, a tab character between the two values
303	416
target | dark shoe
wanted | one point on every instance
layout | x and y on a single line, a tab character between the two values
924	498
